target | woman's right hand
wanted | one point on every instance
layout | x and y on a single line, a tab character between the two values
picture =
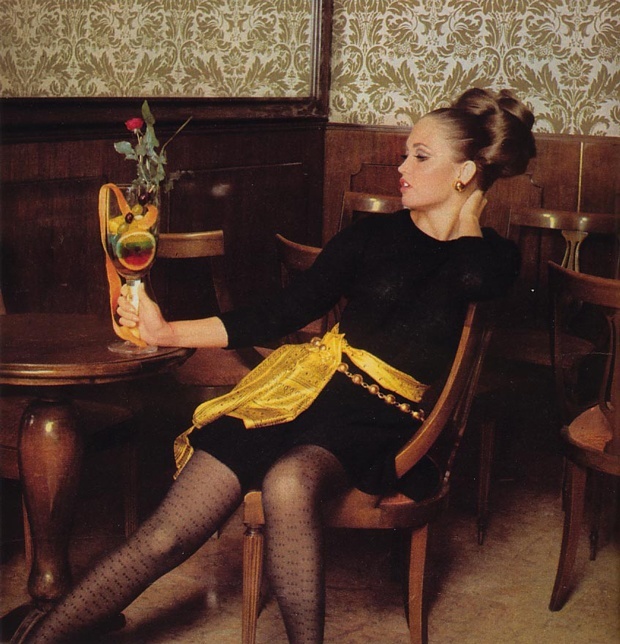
469	216
148	319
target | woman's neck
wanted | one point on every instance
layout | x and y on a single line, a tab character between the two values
457	217
441	226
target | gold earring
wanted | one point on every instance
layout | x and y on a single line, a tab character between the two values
459	186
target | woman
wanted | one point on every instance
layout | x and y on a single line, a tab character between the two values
407	278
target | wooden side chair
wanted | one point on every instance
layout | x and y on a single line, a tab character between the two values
592	439
356	204
547	235
521	333
210	371
439	435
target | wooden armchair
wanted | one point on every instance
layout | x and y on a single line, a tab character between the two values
592	439
440	436
548	235
521	333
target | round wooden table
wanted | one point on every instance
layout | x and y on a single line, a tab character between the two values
54	353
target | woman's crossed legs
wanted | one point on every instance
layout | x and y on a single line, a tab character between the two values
197	504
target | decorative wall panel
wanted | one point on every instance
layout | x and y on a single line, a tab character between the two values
189	48
392	61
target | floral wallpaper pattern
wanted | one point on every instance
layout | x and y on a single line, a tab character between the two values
215	48
393	61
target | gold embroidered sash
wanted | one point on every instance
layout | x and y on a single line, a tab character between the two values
287	382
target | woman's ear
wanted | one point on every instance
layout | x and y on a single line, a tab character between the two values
468	172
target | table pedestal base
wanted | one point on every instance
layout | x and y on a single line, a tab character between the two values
50	456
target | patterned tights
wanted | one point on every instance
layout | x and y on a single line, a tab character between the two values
197	504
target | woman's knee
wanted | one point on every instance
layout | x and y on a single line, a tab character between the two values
286	481
302	475
162	542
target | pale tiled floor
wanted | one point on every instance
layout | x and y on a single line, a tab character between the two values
496	593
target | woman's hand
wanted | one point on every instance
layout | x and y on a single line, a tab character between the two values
153	328
469	216
148	319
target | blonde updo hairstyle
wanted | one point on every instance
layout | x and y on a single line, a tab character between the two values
492	130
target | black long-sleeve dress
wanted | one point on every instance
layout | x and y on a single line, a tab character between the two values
407	294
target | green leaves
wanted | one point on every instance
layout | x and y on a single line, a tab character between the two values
147	115
124	147
151	162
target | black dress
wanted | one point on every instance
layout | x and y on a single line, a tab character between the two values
407	294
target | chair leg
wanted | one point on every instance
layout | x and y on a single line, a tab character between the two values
596	504
418	627
570	538
253	541
487	446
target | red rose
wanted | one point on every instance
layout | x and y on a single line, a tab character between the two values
134	124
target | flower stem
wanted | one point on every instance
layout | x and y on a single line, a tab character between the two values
163	147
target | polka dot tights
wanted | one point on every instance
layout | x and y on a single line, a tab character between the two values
197	504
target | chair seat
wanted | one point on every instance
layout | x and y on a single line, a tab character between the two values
587	437
521	345
356	509
590	430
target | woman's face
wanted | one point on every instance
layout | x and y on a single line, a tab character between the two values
430	169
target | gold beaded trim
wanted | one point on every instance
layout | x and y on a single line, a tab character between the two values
373	389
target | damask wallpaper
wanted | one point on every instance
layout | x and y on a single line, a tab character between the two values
392	60
214	48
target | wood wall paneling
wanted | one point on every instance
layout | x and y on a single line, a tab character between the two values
363	158
556	169
251	204
601	176
51	254
253	180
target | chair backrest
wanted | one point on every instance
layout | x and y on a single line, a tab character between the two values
355	204
207	245
443	428
294	257
536	230
569	290
574	226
